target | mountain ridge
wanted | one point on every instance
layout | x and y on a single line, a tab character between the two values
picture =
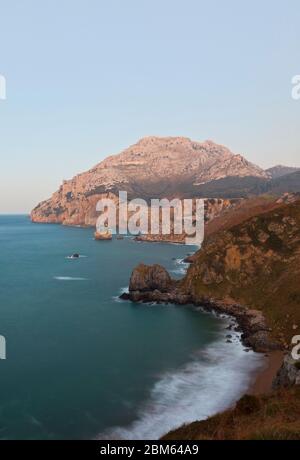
154	167
280	170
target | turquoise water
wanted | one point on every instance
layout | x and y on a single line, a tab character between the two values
82	364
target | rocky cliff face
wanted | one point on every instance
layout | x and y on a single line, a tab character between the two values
153	168
152	283
256	263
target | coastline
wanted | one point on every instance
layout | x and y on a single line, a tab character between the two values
255	333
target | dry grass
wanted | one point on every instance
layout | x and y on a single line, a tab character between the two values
272	417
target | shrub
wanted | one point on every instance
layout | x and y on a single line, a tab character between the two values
248	404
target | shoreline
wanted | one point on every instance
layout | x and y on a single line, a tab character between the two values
263	380
255	333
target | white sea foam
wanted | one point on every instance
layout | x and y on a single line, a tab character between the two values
211	382
69	278
123	290
180	267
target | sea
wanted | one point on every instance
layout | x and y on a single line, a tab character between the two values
83	364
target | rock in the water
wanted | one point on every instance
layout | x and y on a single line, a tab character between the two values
103	236
149	277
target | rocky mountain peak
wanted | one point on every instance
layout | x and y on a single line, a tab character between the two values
154	167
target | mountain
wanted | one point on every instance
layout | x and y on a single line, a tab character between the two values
243	187
154	167
280	170
282	184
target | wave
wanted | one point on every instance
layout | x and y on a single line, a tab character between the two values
211	382
74	258
180	267
122	290
69	278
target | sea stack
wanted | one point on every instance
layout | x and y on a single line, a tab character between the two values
103	236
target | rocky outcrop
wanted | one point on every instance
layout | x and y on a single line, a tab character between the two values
154	284
153	168
149	278
103	236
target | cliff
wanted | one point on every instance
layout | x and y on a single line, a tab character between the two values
256	263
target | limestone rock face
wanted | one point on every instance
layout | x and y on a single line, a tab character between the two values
154	167
150	278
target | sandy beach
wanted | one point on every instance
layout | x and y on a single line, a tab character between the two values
262	382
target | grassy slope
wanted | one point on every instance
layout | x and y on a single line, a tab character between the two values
271	417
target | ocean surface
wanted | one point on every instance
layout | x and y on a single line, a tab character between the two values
83	364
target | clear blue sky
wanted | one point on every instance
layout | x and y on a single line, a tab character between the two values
87	78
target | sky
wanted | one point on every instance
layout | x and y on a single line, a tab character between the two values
87	78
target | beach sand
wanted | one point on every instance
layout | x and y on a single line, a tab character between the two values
262	382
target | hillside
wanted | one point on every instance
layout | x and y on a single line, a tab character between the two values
286	183
256	263
280	170
268	417
246	186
